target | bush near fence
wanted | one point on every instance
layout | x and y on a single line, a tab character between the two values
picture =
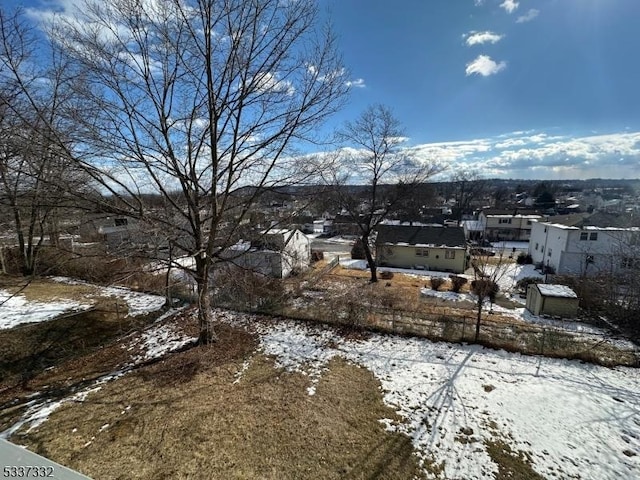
513	337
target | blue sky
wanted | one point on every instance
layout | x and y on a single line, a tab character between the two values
509	88
521	89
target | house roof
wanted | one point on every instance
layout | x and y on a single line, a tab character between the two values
509	212
570	220
551	290
423	236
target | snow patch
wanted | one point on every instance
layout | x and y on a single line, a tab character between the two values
17	310
572	418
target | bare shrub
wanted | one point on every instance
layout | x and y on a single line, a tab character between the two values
357	251
437	282
242	289
524	259
386	275
457	282
485	288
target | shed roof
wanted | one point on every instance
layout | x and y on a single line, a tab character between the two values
420	235
552	290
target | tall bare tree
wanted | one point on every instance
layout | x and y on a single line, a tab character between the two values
203	102
36	174
489	271
467	186
372	156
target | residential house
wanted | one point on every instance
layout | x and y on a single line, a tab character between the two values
276	253
554	300
345	225
439	248
585	249
513	225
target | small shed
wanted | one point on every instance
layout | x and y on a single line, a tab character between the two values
554	300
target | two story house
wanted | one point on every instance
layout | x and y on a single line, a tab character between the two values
585	250
514	225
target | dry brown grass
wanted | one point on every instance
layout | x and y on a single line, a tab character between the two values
511	464
44	290
186	417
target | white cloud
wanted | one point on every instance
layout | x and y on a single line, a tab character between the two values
268	82
510	5
358	83
527	17
478	3
485	66
480	38
539	155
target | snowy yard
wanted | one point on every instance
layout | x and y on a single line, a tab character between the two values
17	310
573	420
566	418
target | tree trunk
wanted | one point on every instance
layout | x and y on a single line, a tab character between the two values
167	279
478	319
370	261
207	335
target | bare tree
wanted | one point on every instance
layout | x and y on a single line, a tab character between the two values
372	155
488	272
467	185
203	102
36	175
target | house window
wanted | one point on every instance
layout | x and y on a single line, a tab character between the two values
549	253
583	236
593	236
121	222
505	220
422	252
528	222
537	246
450	254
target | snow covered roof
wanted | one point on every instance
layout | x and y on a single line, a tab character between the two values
551	290
532	217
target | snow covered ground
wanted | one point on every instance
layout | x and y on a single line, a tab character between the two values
17	310
158	340
574	420
137	303
362	265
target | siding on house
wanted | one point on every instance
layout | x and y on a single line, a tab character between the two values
504	225
428	247
587	250
402	256
277	254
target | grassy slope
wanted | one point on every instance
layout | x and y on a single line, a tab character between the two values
186	418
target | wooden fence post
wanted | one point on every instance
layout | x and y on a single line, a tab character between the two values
464	326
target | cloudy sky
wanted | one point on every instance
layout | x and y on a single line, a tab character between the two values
535	89
514	88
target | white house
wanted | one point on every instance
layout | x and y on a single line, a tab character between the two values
587	250
277	253
507	225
